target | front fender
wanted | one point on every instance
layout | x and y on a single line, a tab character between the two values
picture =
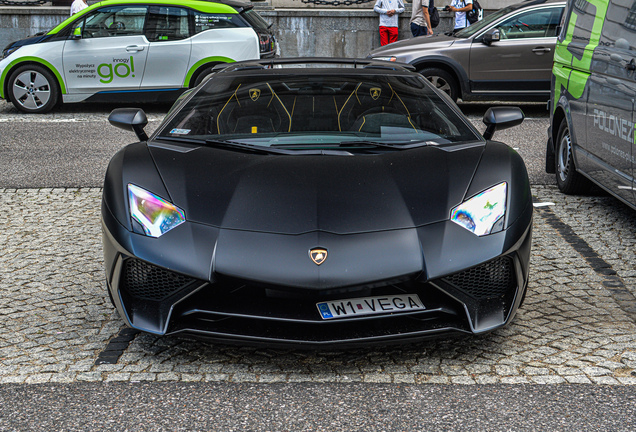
132	164
446	63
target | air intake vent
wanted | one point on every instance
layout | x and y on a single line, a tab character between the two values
490	280
149	282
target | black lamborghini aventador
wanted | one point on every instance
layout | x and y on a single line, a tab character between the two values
316	202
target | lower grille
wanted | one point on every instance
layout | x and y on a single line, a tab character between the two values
148	282
490	280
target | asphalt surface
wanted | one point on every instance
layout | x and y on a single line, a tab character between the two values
316	407
396	389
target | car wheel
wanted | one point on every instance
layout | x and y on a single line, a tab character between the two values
568	179
33	89
202	76
443	81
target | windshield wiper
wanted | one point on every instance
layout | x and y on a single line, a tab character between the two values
353	144
394	146
243	146
272	149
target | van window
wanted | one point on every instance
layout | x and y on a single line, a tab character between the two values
167	23
619	29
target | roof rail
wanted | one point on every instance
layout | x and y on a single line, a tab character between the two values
270	63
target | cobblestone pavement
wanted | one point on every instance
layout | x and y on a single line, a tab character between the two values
576	326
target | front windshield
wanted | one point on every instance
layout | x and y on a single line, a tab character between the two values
317	110
479	25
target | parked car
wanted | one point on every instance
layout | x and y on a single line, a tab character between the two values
119	50
591	133
505	56
316	206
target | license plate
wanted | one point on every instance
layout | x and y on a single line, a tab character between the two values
370	306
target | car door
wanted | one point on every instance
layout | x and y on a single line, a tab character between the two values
610	106
168	32
111	52
521	61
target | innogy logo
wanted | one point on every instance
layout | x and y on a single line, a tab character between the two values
122	67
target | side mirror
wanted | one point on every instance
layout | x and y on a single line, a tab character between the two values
499	118
131	119
491	36
77	33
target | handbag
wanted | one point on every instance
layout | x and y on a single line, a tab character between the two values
433	14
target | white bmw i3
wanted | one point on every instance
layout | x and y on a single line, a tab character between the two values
123	50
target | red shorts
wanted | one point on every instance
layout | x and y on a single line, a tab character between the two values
388	35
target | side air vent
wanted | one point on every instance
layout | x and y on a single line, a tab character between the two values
149	282
490	280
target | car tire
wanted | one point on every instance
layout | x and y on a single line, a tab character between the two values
443	81
201	76
568	179
33	89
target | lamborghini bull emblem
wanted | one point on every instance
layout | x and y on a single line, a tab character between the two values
255	94
318	255
375	93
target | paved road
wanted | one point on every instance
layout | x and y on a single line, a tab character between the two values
568	362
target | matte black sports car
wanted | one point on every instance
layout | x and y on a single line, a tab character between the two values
342	203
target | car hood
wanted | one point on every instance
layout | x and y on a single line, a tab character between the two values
295	194
31	40
408	45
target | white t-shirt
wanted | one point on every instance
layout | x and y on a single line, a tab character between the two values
460	17
77	6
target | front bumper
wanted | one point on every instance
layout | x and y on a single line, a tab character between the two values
214	284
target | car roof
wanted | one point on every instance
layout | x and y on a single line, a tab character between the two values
234	3
527	3
191	3
206	6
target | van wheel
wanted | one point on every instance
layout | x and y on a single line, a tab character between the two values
33	89
568	179
443	81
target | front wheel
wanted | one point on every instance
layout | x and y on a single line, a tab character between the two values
443	81
33	89
568	179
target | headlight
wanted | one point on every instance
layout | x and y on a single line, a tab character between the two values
392	58
156	215
484	213
7	52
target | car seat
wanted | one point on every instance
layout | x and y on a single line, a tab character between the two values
253	109
372	106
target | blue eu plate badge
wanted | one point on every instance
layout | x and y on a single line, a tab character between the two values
324	310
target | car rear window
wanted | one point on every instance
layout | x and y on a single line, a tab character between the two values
255	20
206	21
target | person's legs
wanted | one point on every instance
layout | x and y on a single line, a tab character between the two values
384	35
393	34
414	29
418	30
